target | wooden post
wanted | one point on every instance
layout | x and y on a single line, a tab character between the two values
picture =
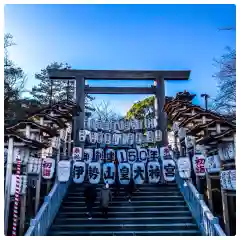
225	212
209	191
8	184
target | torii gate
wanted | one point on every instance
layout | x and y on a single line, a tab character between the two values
158	89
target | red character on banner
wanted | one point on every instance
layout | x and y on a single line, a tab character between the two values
47	169
200	165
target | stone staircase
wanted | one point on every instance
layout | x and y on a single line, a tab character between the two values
156	210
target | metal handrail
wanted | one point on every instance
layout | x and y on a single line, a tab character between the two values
207	223
48	211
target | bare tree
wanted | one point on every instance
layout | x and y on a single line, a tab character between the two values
225	101
104	111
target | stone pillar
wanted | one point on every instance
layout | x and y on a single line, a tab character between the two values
159	104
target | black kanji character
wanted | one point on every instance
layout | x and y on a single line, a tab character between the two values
169	170
107	174
138	172
78	171
98	156
153	155
124	173
93	172
154	172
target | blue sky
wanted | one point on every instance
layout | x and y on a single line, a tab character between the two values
134	37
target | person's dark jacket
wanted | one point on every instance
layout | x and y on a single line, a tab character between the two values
105	197
90	194
131	186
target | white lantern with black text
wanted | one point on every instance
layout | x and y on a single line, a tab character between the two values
82	135
109	173
154	172
121	125
228	151
165	153
169	170
93	124
199	164
93	136
149	123
94	172
124	173
98	155
34	165
189	141
150	136
142	155
110	154
106	125
100	137
184	167
88	155
181	133
158	135
130	138
116	139
138	172
138	138
212	164
77	153
228	179
122	156
107	138
124	139
126	125
133	124
79	171
99	124
153	154
116	126
48	168
63	170
132	155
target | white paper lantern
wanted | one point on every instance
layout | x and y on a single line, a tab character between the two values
228	151
165	153
142	155
79	171
93	125
34	165
109	173
82	135
150	136
154	172
130	138
132	155
48	168
228	179
189	141
99	155
87	124
110	154
127	125
106	125
77	153
149	123
212	164
124	139
124	173
133	124
199	164
121	125
184	167
158	135
138	172
107	138
24	182
116	139
93	136
94	172
88	155
138	138
139	124
99	124
63	170
181	133
100	137
169	170
116	126
122	156
153	154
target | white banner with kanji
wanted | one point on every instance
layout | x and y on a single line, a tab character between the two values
94	172
63	170
184	167
198	161
109	173
153	154
124	173
169	169
79	171
154	172
48	168
138	172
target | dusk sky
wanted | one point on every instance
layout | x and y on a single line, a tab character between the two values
123	37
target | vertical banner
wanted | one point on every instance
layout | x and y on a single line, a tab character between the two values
88	155
109	173
94	172
82	135
48	168
98	155
138	172
184	167
153	154
79	171
213	164
169	170
124	173
122	156
63	170
199	164
132	155
154	172
77	153
142	155
110	155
